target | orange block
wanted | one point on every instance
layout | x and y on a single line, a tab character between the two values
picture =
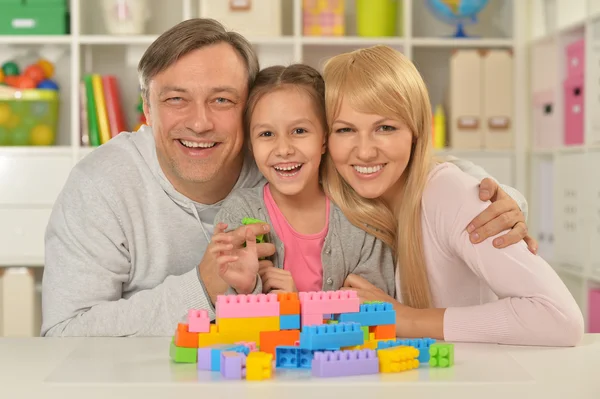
271	339
184	338
384	332
288	303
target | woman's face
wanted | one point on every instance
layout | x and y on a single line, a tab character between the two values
370	152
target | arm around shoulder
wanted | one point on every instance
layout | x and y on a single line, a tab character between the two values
534	307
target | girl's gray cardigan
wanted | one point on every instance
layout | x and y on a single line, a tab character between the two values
347	248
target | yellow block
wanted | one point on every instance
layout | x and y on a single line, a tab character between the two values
259	366
399	358
251	324
215	337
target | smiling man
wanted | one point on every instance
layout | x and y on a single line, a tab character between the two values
128	244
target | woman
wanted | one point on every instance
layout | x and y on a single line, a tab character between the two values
381	174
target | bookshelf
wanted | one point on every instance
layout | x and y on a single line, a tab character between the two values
32	177
565	193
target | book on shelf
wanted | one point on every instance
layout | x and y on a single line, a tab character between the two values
102	116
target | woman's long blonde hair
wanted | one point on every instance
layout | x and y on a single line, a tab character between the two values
380	80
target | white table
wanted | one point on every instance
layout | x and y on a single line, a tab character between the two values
86	368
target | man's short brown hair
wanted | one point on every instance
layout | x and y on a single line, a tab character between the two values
187	36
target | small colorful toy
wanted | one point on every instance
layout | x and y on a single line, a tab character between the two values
328	332
323	17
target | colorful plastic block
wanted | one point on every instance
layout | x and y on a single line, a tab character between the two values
365	330
246	221
422	344
250	345
181	354
214	337
184	338
269	340
289	322
204	358
259	366
399	358
270	323
371	315
253	305
345	363
215	354
311	320
441	355
233	365
331	336
384	331
329	302
198	321
289	303
293	357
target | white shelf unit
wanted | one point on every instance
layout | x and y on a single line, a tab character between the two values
565	189
32	177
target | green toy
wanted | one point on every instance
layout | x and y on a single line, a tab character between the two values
260	238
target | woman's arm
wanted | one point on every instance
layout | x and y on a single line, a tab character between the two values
534	306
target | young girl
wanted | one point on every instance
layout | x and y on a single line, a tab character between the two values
316	246
379	114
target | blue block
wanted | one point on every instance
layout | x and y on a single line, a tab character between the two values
293	357
331	336
215	354
372	314
422	344
289	322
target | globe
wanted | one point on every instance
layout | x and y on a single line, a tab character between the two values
457	12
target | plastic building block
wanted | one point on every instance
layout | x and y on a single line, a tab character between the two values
184	338
371	315
311	320
253	305
384	331
246	221
233	365
289	322
399	358
204	358
329	302
288	303
269	340
250	345
345	363
422	344
270	323
365	330
259	366
293	357
215	354
198	321
331	336
181	354
214	337
442	355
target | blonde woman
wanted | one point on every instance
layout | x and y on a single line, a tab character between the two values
381	174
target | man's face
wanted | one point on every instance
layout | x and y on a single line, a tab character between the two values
195	109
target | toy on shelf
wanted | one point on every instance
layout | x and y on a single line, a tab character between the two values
378	18
328	332
29	101
323	17
457	12
125	17
141	118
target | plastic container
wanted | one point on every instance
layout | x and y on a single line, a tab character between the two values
28	117
376	18
33	17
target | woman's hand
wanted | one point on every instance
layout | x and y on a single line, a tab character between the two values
366	291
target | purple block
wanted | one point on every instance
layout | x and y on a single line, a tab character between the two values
233	365
345	363
204	358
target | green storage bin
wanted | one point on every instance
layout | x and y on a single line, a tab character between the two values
378	18
33	17
29	118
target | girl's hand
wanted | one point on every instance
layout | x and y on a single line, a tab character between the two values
275	279
366	291
237	267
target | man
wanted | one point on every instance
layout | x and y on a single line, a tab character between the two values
128	244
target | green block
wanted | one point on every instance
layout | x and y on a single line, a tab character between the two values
331	321
373	302
246	221
365	332
441	355
182	355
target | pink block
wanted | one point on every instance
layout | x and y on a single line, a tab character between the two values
576	58
249	345
329	302
545	129
258	305
574	111
311	319
594	311
198	321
